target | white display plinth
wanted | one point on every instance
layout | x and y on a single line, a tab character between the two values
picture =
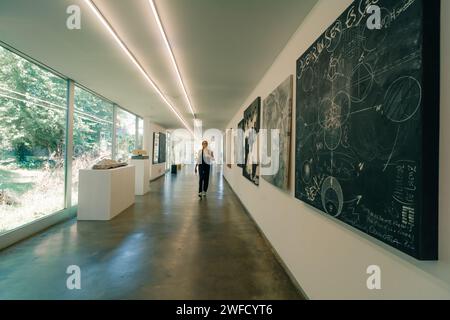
103	194
142	177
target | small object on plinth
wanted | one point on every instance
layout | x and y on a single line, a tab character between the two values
139	154
107	164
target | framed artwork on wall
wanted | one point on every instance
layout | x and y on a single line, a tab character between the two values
239	145
228	148
156	147
159	147
277	126
367	124
162	148
252	123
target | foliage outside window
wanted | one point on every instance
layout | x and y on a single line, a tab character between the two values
92	134
140	137
33	115
32	141
126	134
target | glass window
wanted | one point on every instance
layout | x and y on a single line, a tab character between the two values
32	141
92	134
140	139
126	134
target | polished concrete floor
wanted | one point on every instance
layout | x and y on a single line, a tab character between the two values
169	245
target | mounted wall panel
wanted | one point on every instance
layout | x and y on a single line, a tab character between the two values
367	123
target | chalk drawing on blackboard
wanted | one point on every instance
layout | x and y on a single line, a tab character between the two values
403	99
307	79
361	99
393	149
334	68
332	138
405	182
362	81
306	172
324	112
332	196
334	36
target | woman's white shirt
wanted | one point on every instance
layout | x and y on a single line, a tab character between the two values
208	156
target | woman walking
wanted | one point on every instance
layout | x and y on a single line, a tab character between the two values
204	159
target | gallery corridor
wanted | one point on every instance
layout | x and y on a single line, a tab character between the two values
169	245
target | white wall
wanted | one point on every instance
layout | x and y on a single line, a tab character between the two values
328	258
156	170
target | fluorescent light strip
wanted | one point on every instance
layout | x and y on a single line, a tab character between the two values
172	56
133	59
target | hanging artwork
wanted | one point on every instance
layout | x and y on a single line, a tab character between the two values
239	145
159	147
162	148
228	148
276	137
367	123
252	123
156	147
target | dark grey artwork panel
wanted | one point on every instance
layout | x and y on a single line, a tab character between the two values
162	148
367	124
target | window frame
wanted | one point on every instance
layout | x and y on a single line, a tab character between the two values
69	211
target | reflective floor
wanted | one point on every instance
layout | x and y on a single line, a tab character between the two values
169	245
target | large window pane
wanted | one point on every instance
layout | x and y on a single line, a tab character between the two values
140	138
92	134
126	134
32	141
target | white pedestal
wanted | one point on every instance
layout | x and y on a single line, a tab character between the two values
142	178
103	194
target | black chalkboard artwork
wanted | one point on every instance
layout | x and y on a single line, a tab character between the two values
367	123
252	125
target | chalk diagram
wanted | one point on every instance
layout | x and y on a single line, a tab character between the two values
358	116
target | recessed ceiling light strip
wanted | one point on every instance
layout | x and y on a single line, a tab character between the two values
133	59
172	56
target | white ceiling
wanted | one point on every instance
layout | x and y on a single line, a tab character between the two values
223	48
